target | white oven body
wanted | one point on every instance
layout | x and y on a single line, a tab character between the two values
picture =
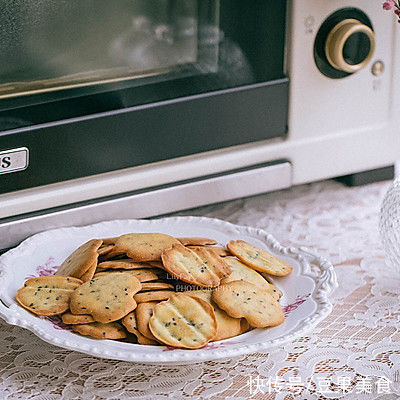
336	127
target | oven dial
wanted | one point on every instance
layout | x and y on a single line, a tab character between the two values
344	44
350	45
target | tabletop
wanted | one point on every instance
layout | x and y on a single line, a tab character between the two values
354	353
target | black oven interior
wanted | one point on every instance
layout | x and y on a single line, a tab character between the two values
95	86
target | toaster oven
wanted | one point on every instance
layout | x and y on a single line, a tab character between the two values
137	108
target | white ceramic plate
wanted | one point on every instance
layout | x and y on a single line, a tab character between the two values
305	298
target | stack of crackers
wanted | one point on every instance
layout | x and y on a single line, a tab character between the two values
156	289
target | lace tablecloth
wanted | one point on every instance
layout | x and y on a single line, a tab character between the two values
354	353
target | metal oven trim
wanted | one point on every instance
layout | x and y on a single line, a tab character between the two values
160	200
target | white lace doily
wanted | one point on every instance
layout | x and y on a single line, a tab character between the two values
354	353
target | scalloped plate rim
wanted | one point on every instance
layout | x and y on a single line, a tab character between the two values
324	285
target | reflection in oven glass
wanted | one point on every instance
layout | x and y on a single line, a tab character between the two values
147	46
57	45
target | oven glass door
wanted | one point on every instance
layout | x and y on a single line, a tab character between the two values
58	45
121	53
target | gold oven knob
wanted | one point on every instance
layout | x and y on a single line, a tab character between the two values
350	45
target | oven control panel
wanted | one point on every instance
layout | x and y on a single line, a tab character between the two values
341	57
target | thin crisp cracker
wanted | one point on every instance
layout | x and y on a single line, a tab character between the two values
259	259
104	250
143	313
72	319
88	275
143	275
217	250
156	286
54	282
187	266
130	324
196	241
100	330
183	321
106	298
143	246
47	295
227	326
157	295
241	299
242	272
77	263
123	264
